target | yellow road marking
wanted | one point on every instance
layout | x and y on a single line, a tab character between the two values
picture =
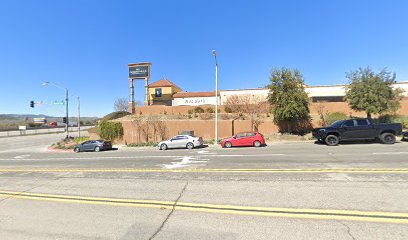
212	170
328	214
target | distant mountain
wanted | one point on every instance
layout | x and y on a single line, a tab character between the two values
22	116
31	116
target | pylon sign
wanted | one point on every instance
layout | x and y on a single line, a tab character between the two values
139	71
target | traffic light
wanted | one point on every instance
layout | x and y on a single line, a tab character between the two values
64	120
32	104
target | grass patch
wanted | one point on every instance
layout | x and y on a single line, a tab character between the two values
212	141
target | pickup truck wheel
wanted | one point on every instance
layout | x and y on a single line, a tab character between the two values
388	138
332	140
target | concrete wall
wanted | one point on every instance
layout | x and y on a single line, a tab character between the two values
170	110
202	128
195	101
314	107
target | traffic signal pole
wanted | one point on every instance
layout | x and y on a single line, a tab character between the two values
66	107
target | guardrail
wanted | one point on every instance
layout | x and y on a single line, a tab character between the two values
40	131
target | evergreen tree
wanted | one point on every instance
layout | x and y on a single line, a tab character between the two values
372	92
290	102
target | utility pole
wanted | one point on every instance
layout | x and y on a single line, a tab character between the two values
216	97
79	117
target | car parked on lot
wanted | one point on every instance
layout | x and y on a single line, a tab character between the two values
181	141
405	136
93	145
244	139
357	129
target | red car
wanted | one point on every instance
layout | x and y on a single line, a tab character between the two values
244	139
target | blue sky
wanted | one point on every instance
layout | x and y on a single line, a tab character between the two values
86	45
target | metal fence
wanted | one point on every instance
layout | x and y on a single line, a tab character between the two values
40	131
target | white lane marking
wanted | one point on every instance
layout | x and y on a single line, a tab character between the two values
205	152
22	156
143	157
185	162
389	153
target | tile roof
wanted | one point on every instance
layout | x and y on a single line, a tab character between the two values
163	83
194	94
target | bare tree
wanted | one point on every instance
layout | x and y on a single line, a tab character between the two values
247	105
137	123
161	129
121	105
145	128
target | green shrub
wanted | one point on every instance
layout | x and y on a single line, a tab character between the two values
198	110
110	130
388	118
190	111
147	144
227	109
209	110
335	116
79	140
212	141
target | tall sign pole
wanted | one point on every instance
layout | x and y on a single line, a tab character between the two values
146	98
131	96
138	71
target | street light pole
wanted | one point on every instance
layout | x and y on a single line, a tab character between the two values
216	97
66	103
79	117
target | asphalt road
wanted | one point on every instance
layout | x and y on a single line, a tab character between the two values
282	191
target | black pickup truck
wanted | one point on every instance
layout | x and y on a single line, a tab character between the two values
357	129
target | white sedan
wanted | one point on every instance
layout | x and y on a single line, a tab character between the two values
181	141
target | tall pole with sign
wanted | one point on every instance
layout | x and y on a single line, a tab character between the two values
138	71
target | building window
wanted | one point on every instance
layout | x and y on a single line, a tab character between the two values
158	92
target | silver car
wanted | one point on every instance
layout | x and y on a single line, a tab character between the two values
181	141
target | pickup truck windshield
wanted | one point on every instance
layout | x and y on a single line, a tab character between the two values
337	124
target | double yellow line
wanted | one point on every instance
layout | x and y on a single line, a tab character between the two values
328	214
215	170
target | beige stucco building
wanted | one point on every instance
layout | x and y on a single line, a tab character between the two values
165	92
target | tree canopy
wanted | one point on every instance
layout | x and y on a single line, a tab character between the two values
372	92
287	95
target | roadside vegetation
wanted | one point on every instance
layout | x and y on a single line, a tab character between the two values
69	143
147	144
109	130
372	92
289	101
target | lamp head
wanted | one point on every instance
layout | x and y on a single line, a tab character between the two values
214	53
